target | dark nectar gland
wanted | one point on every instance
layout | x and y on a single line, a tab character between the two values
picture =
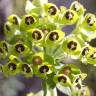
19	48
7	27
62	79
36	35
72	45
69	15
44	69
53	36
26	68
90	21
76	7
29	20
93	56
52	10
1	51
5	47
15	20
12	66
85	51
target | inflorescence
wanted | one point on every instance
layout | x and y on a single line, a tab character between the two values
36	44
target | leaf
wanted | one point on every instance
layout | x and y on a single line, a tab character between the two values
39	3
48	59
63	9
29	6
50	81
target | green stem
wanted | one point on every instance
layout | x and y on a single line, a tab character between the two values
48	91
53	92
44	87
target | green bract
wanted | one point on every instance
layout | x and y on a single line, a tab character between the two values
86	27
78	8
26	69
8	28
35	35
85	52
37	59
89	22
50	9
47	26
3	49
44	70
29	21
12	67
20	49
71	46
14	19
69	17
12	25
29	6
69	69
54	37
62	79
91	58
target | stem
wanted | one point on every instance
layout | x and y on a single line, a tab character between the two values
53	92
44	87
48	91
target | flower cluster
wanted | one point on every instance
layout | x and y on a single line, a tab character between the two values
36	44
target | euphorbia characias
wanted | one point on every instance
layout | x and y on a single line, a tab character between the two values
36	45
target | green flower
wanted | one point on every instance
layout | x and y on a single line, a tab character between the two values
91	57
71	46
54	37
69	69
26	69
78	8
4	48
51	9
20	49
85	53
9	29
62	79
36	60
89	22
35	35
12	67
69	17
44	70
29	21
14	19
